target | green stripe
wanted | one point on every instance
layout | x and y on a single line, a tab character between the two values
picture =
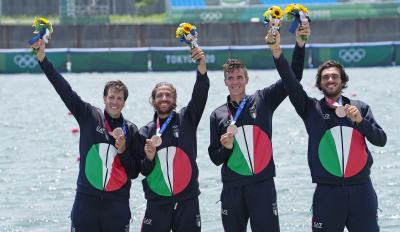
328	154
237	162
156	180
94	167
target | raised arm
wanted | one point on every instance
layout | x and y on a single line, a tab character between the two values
70	98
297	95
276	93
199	97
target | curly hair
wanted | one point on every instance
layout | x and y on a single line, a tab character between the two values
154	93
329	64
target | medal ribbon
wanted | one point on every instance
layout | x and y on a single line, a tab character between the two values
164	125
108	127
332	103
238	111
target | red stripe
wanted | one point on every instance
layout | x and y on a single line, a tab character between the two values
182	171
118	175
262	149
357	155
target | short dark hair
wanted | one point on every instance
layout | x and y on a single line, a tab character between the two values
329	64
154	92
233	64
119	85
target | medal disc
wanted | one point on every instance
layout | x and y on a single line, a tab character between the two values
232	129
156	140
118	132
340	112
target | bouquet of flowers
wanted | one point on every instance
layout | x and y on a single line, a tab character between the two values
187	33
298	14
42	30
272	21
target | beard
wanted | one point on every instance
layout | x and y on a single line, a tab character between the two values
165	110
331	94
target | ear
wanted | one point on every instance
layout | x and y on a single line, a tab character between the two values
104	99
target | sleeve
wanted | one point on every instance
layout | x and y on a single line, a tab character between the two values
218	153
70	98
146	165
130	159
370	128
297	95
277	92
199	97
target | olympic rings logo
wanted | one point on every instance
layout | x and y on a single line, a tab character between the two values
25	61
352	54
211	16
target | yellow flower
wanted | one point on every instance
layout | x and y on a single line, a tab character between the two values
289	9
276	12
273	12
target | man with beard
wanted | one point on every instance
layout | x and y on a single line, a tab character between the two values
338	157
240	137
169	161
109	154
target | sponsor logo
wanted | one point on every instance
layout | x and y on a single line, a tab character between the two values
147	221
275	209
100	129
325	116
352	54
25	61
224	212
318	225
198	220
126	229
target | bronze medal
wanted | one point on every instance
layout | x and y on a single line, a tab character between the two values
340	112
156	140
117	132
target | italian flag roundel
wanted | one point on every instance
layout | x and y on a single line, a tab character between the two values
252	151
172	172
342	151
103	168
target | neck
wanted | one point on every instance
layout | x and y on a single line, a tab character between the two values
112	116
237	98
163	115
334	97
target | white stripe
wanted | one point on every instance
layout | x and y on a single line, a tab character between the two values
347	133
112	152
162	156
171	156
242	144
335	131
249	136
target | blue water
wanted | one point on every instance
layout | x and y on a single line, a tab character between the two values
38	166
